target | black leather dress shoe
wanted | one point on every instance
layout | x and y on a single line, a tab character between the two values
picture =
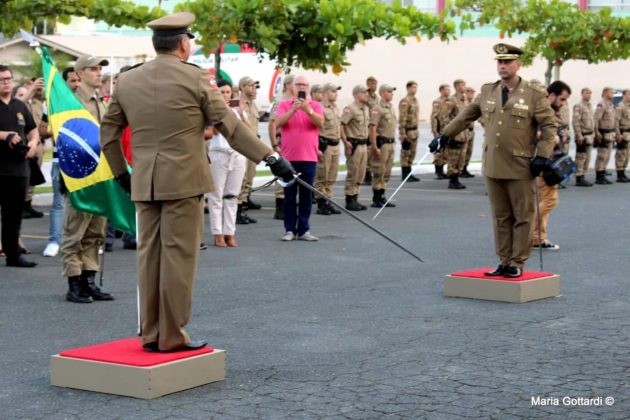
20	261
151	347
513	272
192	345
499	271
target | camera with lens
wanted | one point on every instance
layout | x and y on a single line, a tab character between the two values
21	148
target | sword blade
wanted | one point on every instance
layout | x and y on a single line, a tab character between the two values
401	184
355	217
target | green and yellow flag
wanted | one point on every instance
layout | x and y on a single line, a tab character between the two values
86	173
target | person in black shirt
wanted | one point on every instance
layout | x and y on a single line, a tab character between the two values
18	139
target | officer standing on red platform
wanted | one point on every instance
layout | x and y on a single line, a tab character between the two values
512	110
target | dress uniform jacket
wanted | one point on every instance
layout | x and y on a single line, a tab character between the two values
167	103
510	130
408	114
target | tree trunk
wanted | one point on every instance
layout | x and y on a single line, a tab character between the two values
556	72
217	64
548	72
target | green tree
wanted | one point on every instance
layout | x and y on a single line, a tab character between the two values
26	14
314	34
557	30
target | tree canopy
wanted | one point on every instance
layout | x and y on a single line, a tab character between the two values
314	34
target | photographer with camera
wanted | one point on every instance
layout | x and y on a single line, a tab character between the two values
559	93
18	139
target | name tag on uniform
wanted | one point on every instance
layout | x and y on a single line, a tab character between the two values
524	107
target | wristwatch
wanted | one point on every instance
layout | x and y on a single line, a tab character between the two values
272	158
310	112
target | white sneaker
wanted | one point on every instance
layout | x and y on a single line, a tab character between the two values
289	236
308	237
52	249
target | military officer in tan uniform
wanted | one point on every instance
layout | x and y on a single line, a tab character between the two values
382	136
457	146
248	90
329	138
439	159
584	130
563	128
470	96
372	100
512	110
171	173
84	233
622	128
274	137
604	134
409	115
354	133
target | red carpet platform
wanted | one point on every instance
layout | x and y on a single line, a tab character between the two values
474	284
122	367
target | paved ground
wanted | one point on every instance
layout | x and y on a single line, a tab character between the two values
350	326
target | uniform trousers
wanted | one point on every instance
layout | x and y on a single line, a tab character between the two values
356	165
407	156
83	234
603	152
247	181
456	157
583	159
513	207
547	201
228	169
621	155
169	234
469	147
39	154
327	170
297	215
12	194
382	167
439	159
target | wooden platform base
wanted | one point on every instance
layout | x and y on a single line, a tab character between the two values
475	285
145	381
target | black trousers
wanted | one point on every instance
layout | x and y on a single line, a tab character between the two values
12	196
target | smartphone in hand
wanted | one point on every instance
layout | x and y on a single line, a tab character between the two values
301	95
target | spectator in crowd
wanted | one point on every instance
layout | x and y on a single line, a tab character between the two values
299	120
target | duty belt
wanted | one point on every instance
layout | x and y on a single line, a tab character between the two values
359	142
624	130
385	140
330	142
606	131
587	133
414	127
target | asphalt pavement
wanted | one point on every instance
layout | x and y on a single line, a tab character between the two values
352	327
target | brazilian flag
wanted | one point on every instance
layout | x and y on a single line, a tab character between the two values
86	173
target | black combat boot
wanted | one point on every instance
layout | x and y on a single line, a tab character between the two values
75	293
322	208
331	208
88	284
404	171
454	183
580	181
413	178
278	214
601	178
465	173
352	204
367	180
439	172
356	200
251	205
621	177
376	198
29	212
241	217
384	200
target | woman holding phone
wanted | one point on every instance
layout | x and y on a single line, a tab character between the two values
227	167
